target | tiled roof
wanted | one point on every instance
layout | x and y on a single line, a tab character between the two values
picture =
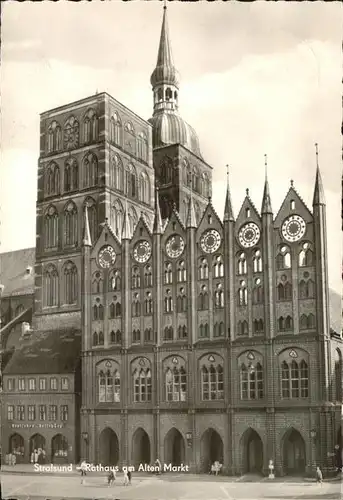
55	351
13	272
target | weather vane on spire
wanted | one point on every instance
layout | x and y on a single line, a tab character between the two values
164	4
227	173
265	165
317	159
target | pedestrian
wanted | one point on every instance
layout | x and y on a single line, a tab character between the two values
126	477
83	468
319	476
129	476
111	477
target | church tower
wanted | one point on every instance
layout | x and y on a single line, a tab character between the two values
179	166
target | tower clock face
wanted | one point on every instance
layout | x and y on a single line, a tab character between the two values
293	228
107	256
210	241
142	251
249	235
175	246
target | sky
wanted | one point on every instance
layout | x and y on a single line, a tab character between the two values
256	78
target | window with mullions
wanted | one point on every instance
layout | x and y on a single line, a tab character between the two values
109	386
295	380
176	384
212	383
251	381
142	385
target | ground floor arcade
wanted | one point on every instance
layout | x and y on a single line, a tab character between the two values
243	443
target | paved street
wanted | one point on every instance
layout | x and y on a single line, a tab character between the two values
165	488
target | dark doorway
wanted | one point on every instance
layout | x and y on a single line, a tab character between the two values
16	447
252	452
174	448
140	448
37	448
108	447
294	453
59	449
211	449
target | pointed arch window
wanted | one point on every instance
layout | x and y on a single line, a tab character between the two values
131	181
181	301
98	339
116	135
168	302
205	185
181	271
147	276
204	331
109	386
219	296
54	137
168	333
90	170
285	323
243	294
242	328
294	379
203	269
306	289
71	175
90	126
258	326
175	384
97	283
257	294
144	186
142	147
283	258
307	322
115	337
117	216
212	383
115	308
148	337
50	287
203	302
219	329
132	219
182	332
136	336
92	219
98	312
114	281
242	264
284	291
136	305
70	224
52	179
305	256
257	262
135	278
218	267
251	381
195	179
71	133
168	273
142	385
148	304
116	173
70	283
51	228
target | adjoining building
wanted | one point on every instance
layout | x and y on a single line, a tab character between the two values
202	339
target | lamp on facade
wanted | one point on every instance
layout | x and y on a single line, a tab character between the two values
189	438
85	436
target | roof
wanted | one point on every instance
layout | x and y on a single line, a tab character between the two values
13	272
54	351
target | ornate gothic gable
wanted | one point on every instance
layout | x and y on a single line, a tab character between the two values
174	225
107	237
292	205
209	220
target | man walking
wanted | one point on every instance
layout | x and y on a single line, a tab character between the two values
319	476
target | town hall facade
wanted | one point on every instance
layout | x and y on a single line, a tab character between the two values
199	338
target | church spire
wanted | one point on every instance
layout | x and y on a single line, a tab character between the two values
228	212
157	229
87	242
164	78
318	195
266	202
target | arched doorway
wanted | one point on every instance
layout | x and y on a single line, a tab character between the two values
37	445
174	447
16	447
59	449
140	448
109	447
294	453
211	449
252	452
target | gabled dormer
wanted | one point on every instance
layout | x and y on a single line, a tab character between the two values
107	237
209	220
